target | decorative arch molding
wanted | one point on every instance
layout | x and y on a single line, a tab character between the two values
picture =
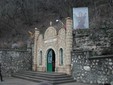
50	33
61	31
50	47
62	37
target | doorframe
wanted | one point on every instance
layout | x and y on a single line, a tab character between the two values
52	59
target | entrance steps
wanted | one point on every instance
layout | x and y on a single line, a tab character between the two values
55	78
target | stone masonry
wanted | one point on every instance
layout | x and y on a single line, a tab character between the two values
79	52
14	60
87	69
88	63
54	39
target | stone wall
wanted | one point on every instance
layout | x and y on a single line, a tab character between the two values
81	66
92	59
13	61
102	68
87	69
92	39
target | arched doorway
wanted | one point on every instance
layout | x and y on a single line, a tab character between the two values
50	60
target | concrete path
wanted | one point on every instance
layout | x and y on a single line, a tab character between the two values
16	81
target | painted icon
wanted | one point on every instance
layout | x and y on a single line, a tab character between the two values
80	18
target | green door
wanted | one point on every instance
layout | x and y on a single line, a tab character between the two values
49	61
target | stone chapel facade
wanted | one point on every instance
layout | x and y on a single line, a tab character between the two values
52	50
57	51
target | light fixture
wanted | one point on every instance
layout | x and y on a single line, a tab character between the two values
61	23
57	20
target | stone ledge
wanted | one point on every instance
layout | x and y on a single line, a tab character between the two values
18	50
101	57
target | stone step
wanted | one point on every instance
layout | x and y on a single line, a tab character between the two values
44	74
54	78
41	80
45	77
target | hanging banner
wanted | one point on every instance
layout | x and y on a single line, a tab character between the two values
80	18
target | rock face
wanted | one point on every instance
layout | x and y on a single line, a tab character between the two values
92	70
86	65
13	61
97	40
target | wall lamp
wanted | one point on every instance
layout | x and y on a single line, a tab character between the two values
61	23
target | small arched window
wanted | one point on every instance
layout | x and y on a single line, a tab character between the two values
61	56
40	58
